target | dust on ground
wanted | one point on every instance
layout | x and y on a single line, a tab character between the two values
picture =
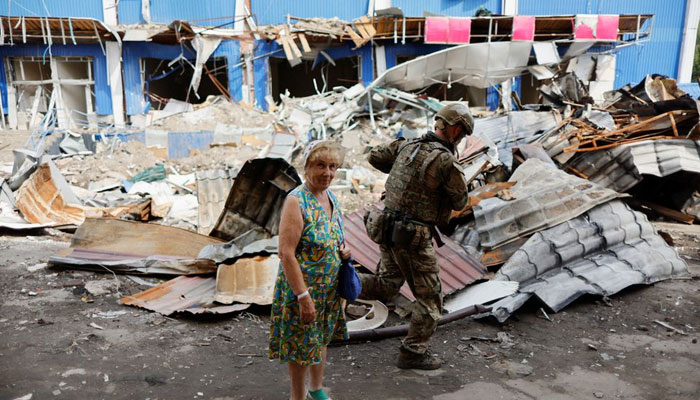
59	342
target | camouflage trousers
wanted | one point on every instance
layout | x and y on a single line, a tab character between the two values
418	267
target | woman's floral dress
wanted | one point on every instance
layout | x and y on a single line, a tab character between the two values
318	254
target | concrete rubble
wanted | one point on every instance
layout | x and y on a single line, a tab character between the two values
544	178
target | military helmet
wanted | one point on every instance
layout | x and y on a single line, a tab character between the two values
457	113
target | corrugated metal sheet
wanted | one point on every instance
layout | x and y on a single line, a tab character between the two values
249	280
457	268
621	168
181	143
193	295
660	55
601	252
213	187
272	12
53	8
41	200
516	127
465	8
129	263
256	199
103	97
133	247
542	197
129	12
200	12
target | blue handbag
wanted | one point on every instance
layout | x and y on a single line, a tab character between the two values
349	285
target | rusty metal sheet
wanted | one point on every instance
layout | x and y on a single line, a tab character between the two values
502	254
139	238
248	280
135	247
256	198
127	263
457	268
41	202
189	294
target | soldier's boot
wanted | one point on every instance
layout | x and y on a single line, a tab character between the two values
411	360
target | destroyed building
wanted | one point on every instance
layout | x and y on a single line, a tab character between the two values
111	62
583	113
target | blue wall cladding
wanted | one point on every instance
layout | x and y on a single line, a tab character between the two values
199	12
53	8
273	12
134	51
103	97
659	55
180	143
453	8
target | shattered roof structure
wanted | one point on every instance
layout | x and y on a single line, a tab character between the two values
514	128
622	167
543	196
190	294
601	252
55	30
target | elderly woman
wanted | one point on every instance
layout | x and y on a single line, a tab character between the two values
306	311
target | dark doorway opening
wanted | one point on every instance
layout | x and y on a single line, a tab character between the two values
299	80
163	82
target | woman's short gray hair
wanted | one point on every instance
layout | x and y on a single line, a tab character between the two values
328	149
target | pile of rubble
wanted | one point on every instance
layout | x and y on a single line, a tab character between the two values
559	193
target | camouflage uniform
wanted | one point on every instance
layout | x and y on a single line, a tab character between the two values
425	183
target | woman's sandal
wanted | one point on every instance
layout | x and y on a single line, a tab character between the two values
317	395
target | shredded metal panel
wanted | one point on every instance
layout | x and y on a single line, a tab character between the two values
514	128
256	198
194	295
213	187
543	196
621	168
601	252
129	263
457	268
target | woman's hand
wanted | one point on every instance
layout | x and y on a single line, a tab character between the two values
345	253
307	310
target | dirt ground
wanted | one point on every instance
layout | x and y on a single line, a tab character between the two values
56	343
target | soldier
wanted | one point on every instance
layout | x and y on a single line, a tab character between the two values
425	183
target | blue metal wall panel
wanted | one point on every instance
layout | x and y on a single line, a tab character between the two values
261	69
180	143
200	12
129	12
272	12
660	55
134	51
393	51
454	8
693	89
53	8
103	97
139	136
